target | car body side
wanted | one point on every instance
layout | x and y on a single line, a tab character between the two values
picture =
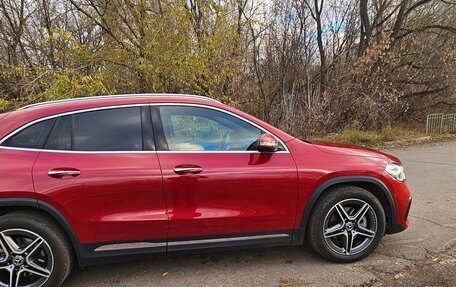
319	167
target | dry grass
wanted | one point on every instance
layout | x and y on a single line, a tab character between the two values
375	138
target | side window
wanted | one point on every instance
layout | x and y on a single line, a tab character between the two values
60	138
104	130
195	128
33	136
108	130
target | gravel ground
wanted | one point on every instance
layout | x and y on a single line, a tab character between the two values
423	255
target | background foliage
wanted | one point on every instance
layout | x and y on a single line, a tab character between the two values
308	66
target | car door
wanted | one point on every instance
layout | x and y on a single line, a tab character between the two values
99	169
217	184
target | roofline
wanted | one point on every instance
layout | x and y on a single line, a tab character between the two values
115	97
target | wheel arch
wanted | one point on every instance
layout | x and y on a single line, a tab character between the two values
369	183
8	205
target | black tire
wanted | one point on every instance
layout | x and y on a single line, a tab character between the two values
54	238
325	210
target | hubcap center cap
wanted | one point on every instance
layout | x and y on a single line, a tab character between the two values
18	260
349	226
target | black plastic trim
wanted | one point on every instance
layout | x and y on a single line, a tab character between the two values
91	257
159	134
60	219
88	255
408	209
396	228
298	235
229	244
147	130
49	209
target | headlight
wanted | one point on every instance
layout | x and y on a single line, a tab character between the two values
396	171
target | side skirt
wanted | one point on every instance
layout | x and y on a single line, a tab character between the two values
103	253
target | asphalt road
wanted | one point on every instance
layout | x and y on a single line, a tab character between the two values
429	241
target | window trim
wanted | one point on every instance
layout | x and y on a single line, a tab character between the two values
155	134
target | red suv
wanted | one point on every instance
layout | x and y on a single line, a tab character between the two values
103	179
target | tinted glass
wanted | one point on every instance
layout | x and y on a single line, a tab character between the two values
33	136
108	130
195	128
60	138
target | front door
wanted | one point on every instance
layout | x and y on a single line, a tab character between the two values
99	168
217	184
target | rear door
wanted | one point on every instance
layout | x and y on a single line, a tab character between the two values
99	168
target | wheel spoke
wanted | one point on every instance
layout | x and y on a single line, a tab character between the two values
5	250
361	212
8	243
37	270
348	243
342	213
365	232
14	277
32	247
336	230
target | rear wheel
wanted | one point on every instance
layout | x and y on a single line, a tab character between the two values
33	251
347	224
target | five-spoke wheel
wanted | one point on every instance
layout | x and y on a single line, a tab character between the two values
350	226
34	252
346	224
26	258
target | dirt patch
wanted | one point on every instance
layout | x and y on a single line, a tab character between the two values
290	282
438	270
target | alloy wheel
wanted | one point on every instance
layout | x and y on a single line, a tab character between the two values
26	259
350	226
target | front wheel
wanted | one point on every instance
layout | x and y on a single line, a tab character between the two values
347	224
33	251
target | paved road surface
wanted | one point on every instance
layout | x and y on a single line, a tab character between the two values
431	173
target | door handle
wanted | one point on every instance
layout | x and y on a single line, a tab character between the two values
187	168
64	172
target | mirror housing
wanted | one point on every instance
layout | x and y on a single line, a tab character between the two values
267	143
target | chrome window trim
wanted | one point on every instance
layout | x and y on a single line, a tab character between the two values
127	152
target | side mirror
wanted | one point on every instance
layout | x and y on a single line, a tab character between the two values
267	143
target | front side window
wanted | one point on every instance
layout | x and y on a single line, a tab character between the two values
104	130
33	136
201	129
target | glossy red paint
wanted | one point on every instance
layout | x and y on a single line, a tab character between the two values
235	193
123	197
117	196
15	173
318	162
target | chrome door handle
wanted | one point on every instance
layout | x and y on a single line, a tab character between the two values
185	169
64	173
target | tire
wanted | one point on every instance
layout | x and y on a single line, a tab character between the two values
42	255
330	229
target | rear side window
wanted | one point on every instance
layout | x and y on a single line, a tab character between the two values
108	130
33	136
60	138
105	130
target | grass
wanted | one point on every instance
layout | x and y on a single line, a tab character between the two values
373	138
